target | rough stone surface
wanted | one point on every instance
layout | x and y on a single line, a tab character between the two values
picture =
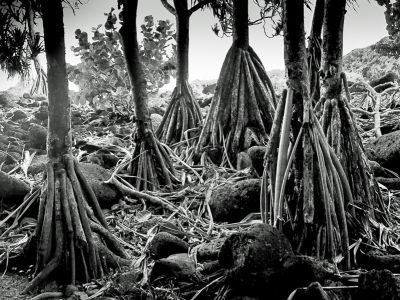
231	202
378	285
38	164
12	189
128	280
180	267
3	157
106	194
209	89
18	115
105	160
165	244
385	150
37	136
253	258
8	100
42	114
257	154
301	270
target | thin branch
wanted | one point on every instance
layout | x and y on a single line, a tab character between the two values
169	7
199	5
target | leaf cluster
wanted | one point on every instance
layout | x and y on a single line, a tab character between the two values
392	15
102	75
16	48
270	14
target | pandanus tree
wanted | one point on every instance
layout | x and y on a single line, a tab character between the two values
243	106
325	185
303	180
151	166
183	112
71	236
39	85
341	131
19	41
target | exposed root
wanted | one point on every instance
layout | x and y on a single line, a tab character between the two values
48	295
73	241
39	85
151	166
342	135
183	113
318	221
243	105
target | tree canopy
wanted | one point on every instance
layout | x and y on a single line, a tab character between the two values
16	47
392	16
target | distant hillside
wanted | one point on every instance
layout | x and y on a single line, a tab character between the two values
372	62
277	78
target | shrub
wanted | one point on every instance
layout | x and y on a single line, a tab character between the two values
101	75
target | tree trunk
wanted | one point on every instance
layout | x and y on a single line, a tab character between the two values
295	48
297	80
315	204
182	40
241	23
70	220
314	50
318	19
59	135
150	166
341	130
244	102
335	11
128	33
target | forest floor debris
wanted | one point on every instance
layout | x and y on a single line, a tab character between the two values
104	140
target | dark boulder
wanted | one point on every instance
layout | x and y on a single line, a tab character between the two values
205	102
12	189
42	114
37	136
256	154
385	150
254	258
38	164
378	285
8	100
180	267
209	89
18	115
388	77
165	244
107	194
259	262
209	250
128	281
231	202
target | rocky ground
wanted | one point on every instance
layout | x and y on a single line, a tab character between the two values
205	245
11	286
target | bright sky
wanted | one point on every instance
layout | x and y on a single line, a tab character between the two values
365	25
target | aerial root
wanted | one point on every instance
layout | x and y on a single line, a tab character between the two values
73	240
243	105
321	218
343	136
183	113
151	166
39	85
